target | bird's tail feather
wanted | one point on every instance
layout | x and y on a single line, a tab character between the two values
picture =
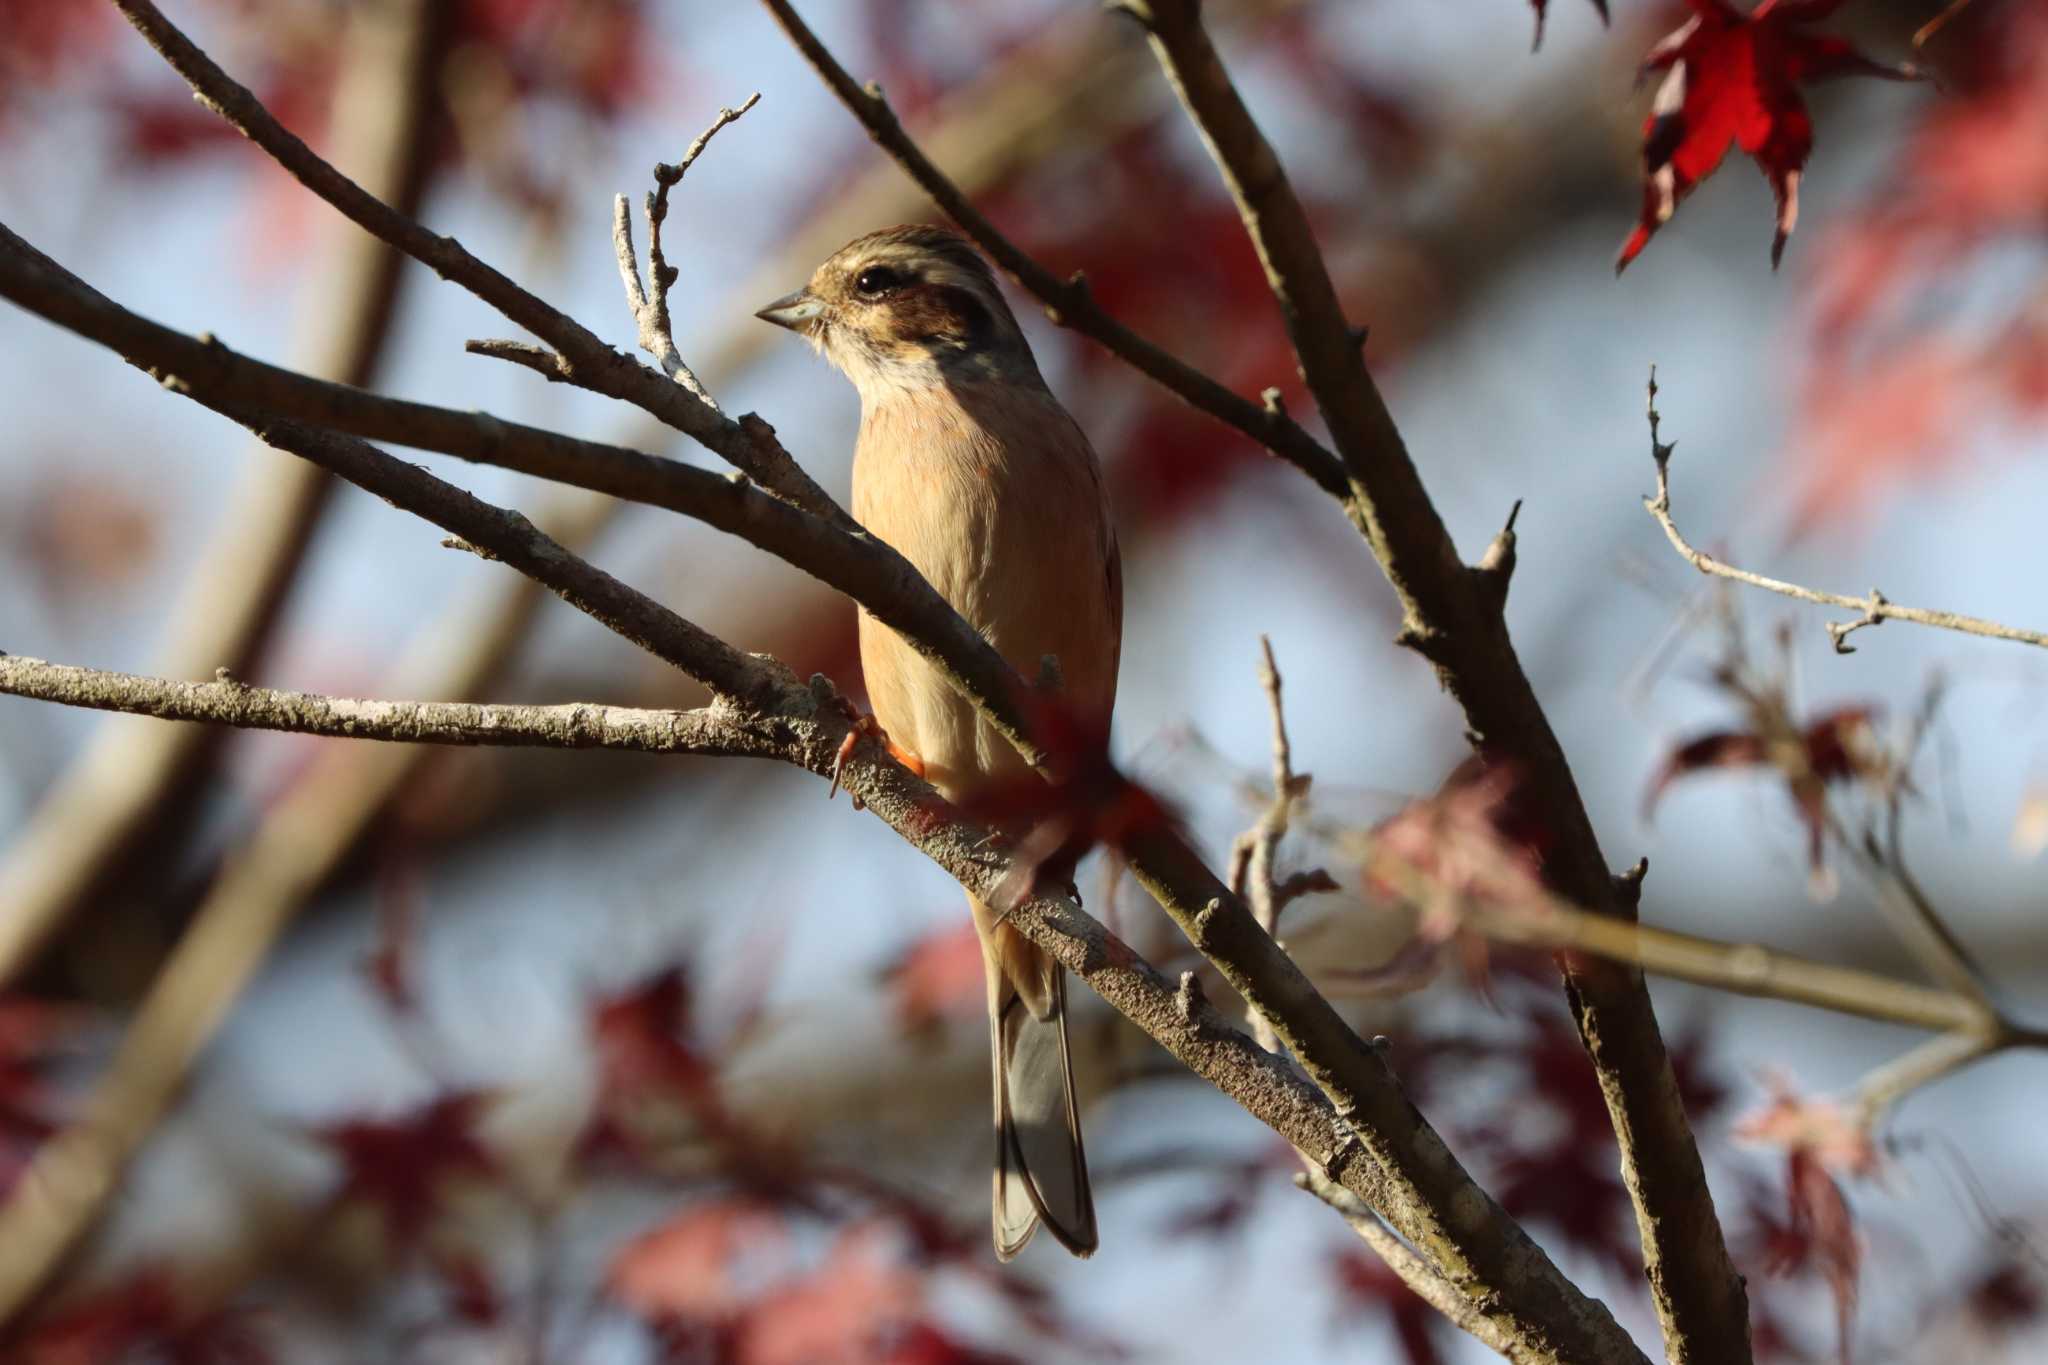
1041	1168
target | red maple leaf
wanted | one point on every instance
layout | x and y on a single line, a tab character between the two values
399	1166
1733	78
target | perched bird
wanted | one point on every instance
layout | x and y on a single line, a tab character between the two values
972	470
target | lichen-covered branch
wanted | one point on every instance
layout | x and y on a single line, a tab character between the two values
228	701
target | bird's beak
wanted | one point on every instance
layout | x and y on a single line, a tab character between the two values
794	311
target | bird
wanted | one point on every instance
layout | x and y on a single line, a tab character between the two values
971	469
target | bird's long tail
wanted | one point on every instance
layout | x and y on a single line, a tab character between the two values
1041	1170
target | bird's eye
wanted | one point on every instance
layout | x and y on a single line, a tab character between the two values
877	280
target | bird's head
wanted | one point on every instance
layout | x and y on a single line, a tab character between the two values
906	308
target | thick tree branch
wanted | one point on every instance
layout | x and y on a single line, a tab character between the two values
1874	608
1454	616
1415	1272
1067	302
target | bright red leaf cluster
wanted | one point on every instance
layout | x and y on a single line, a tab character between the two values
1732	79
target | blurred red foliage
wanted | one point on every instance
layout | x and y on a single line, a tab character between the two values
33	1034
401	1166
1929	300
1546	1142
939	977
1837	746
1821	1140
142	1317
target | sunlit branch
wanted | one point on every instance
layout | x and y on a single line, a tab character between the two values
1874	608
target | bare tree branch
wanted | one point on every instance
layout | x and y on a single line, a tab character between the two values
1875	607
95	827
227	701
1454	616
1738	968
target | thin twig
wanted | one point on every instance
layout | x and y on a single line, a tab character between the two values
1919	926
1925	33
650	309
1884	1087
1256	850
1874	608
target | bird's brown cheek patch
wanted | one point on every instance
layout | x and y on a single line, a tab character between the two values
935	310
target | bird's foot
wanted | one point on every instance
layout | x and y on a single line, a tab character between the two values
865	726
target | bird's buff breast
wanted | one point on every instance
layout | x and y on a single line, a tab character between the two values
993	494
